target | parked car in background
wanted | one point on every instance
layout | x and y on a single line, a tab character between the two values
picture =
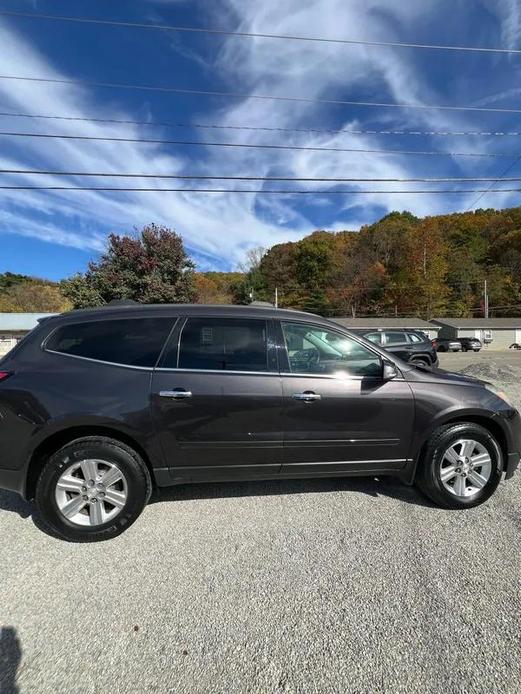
470	343
443	344
98	407
410	345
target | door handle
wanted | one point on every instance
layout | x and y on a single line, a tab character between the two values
308	396
175	394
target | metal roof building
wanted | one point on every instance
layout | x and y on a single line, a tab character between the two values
13	326
497	333
411	323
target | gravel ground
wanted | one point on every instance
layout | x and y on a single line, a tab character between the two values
308	586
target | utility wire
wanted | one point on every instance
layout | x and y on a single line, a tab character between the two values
210	126
245	34
240	95
252	178
501	177
256	146
262	191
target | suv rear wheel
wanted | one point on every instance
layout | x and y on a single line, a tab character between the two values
461	466
92	489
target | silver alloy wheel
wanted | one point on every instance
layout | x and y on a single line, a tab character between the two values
465	468
91	492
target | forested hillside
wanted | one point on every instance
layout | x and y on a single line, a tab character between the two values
400	265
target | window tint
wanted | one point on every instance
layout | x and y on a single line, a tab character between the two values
224	344
374	337
131	341
393	338
317	351
414	338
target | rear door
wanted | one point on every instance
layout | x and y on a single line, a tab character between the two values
339	413
396	342
217	399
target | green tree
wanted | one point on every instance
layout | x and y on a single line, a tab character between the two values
150	268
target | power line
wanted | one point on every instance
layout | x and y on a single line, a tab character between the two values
196	143
496	180
261	191
329	131
199	177
240	95
245	34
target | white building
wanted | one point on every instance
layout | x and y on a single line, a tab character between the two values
495	333
13	326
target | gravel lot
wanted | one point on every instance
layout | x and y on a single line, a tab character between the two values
309	586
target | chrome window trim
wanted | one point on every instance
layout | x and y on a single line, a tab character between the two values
281	374
98	361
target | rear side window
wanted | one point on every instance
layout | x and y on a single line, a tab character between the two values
130	341
224	344
374	337
414	338
395	338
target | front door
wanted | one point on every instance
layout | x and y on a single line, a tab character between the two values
217	400
340	415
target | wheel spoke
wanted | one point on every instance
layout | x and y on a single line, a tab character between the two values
452	456
459	485
467	448
476	479
112	476
115	498
480	459
70	484
97	513
72	507
447	473
89	469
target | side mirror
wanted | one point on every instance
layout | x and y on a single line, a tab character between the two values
389	371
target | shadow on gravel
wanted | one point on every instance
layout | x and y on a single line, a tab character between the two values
10	657
9	501
374	487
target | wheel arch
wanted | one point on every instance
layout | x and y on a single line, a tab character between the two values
488	423
56	440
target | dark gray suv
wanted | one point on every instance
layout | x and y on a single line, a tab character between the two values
97	407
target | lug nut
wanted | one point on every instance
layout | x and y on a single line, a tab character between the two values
458	470
85	497
91	483
93	500
84	489
102	494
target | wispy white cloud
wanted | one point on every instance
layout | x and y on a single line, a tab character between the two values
220	227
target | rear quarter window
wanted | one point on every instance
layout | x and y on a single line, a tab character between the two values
129	341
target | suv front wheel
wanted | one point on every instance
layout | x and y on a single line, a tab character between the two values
461	466
92	489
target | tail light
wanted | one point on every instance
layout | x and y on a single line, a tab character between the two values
4	375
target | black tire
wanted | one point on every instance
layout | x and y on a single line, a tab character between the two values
421	361
442	349
136	474
428	476
476	350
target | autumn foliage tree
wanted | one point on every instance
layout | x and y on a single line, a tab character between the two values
152	267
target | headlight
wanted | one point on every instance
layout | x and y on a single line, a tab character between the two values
501	394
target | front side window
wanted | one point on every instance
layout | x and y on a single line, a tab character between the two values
129	341
224	344
395	338
313	350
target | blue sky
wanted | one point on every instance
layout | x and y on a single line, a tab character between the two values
55	234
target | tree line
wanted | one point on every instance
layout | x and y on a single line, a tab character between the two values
400	265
